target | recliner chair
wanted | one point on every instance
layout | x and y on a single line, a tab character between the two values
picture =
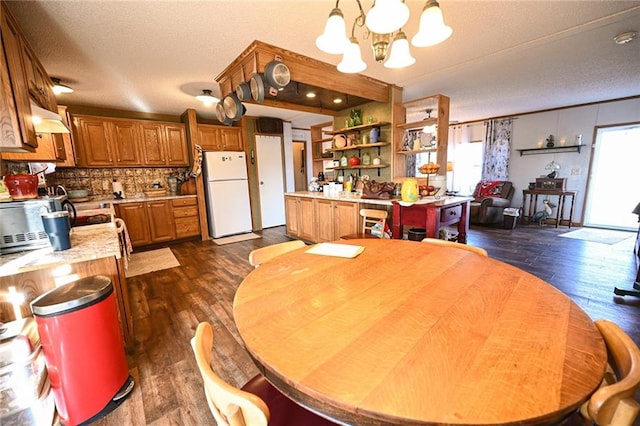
490	200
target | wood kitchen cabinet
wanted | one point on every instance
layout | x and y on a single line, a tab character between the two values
300	217
336	218
156	221
38	82
161	226
185	217
105	142
137	221
17	91
50	148
164	144
219	138
36	282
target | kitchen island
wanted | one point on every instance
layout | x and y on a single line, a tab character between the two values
95	250
316	217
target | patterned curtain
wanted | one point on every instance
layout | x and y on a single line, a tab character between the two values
497	150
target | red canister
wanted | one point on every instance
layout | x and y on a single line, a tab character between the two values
22	186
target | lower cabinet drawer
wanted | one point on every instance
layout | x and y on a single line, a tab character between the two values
181	202
450	213
187	227
185	211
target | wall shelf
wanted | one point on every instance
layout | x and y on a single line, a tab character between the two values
372	166
359	128
418	124
420	151
544	150
360	146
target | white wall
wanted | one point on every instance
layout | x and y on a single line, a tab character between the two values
530	130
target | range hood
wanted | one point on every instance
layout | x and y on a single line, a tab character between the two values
45	121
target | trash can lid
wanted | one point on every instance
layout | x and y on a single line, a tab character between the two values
72	296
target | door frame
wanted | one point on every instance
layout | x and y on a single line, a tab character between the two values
588	187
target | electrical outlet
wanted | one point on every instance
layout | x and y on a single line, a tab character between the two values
105	185
575	172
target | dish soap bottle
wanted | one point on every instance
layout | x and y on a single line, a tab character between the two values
366	159
344	161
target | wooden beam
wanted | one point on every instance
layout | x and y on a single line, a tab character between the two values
191	124
295	107
303	69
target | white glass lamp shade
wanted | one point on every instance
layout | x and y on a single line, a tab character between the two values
334	38
400	55
207	98
352	59
432	28
59	88
387	16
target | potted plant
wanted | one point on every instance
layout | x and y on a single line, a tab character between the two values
356	116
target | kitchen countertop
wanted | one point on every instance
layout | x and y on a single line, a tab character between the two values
87	243
141	197
355	198
136	198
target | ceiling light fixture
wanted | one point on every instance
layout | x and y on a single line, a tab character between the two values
626	37
384	23
207	98
59	88
311	95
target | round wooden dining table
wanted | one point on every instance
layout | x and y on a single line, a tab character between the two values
409	333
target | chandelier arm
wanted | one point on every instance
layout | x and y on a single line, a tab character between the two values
359	21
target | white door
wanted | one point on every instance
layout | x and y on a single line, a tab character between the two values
613	179
271	180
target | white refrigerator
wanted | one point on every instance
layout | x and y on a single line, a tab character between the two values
227	193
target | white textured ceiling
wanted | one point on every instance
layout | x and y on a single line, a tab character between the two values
504	57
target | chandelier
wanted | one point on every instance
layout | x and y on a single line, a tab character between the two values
384	23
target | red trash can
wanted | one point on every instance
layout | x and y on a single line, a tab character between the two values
83	349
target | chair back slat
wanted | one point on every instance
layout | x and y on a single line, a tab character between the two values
474	249
230	406
258	256
371	218
614	404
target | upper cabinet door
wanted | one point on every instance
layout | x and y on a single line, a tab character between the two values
153	152
92	141
12	43
125	143
176	143
209	137
231	139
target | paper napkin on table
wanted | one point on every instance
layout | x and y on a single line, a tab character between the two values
338	250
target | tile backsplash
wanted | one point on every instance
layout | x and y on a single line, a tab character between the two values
99	180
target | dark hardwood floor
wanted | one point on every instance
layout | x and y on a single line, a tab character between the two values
168	305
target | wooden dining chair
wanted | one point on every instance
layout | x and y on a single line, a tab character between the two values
372	220
258	256
614	403
258	403
437	241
